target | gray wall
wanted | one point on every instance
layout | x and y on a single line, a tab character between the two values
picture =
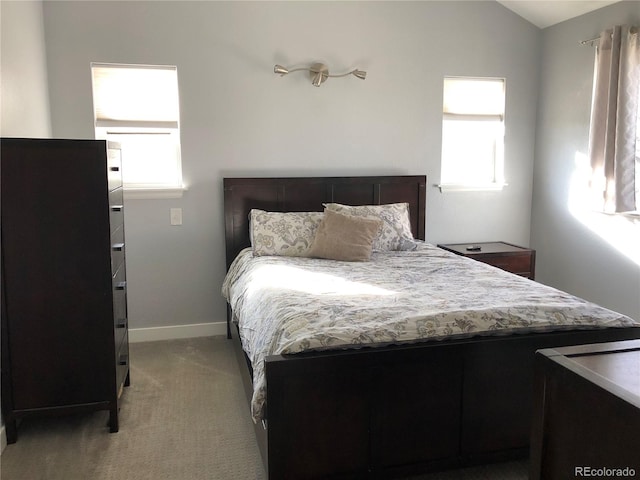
24	102
240	119
593	256
24	107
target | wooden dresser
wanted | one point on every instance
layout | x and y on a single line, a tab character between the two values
64	310
506	256
587	412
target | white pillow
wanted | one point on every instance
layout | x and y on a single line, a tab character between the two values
282	233
395	233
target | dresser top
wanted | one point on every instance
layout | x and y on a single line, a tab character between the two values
614	365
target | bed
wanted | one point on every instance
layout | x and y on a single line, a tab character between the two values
401	405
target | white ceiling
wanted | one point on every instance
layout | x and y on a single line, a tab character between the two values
544	13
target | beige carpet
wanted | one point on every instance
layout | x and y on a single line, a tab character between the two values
183	417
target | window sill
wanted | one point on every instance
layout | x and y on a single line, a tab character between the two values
490	187
632	216
131	193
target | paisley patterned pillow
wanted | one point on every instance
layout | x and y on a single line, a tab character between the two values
282	233
396	224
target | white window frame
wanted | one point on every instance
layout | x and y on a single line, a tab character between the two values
116	124
497	114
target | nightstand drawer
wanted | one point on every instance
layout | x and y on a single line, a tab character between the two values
520	264
509	257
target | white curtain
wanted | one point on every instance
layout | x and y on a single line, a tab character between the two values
613	143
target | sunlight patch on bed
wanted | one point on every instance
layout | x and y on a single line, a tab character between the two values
297	279
621	231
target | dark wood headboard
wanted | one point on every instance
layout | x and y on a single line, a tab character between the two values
307	194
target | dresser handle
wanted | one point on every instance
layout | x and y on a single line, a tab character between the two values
123	360
117	247
121	285
117	208
122	323
115	169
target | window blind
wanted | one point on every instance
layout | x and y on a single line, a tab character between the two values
134	95
474	97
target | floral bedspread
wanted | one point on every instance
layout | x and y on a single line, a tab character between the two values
291	304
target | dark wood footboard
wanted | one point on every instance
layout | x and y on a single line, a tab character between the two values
387	412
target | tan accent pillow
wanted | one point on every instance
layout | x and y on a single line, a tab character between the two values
395	233
343	237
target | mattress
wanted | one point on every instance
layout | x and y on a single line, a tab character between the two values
287	305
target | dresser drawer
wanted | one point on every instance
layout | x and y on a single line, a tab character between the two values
120	280
122	364
120	326
114	169
120	322
117	250
116	209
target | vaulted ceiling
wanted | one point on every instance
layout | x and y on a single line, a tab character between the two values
544	13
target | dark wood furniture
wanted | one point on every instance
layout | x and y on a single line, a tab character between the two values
395	410
297	194
587	411
507	256
64	311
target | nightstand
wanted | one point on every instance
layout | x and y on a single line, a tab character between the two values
509	257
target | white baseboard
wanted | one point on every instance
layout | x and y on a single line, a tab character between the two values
152	334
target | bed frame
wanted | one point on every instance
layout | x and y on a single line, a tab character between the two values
389	411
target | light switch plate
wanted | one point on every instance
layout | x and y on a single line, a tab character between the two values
176	216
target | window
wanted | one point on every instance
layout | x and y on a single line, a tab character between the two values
137	106
473	134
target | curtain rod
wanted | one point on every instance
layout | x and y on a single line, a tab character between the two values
590	41
632	31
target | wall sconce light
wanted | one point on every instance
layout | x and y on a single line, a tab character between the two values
318	72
